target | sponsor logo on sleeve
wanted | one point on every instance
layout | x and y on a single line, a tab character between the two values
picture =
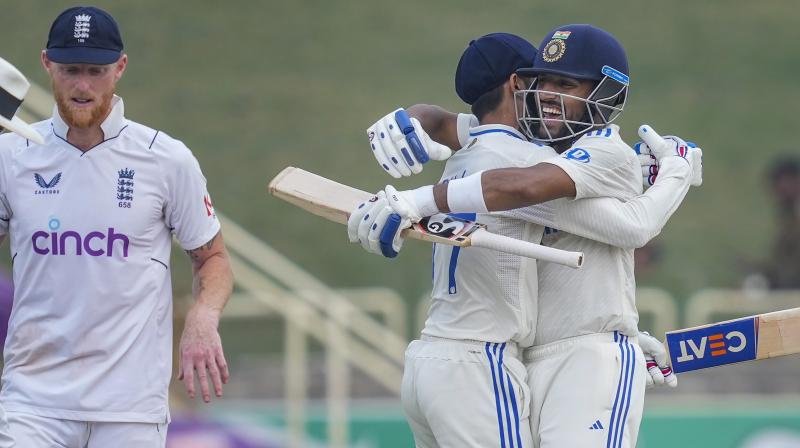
716	345
209	206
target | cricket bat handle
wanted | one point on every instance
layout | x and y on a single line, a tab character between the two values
488	240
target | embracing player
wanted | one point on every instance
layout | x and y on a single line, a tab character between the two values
601	329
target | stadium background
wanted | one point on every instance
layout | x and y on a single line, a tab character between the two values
253	87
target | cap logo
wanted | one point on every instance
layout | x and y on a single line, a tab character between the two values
554	50
82	27
561	35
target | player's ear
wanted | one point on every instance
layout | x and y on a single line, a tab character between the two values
119	66
512	84
45	61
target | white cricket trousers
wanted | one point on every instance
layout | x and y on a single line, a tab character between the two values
466	394
588	391
33	431
6	440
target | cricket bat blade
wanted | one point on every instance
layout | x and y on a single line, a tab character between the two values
334	202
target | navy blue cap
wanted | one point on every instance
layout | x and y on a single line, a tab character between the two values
488	62
578	51
84	35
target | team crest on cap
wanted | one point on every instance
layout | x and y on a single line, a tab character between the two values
554	50
82	26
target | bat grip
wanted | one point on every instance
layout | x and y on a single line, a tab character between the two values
482	238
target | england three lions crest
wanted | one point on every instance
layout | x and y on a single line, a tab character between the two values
125	187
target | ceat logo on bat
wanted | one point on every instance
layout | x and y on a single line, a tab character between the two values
715	345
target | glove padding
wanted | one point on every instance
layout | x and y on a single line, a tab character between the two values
401	146
655	357
654	148
378	223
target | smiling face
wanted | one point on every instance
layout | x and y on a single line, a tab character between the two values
83	92
560	102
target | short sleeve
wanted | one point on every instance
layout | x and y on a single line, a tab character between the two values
189	211
463	124
601	168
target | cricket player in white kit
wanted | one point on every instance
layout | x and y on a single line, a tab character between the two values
91	214
464	384
585	318
13	88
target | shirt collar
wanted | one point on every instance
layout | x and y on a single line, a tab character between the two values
112	126
496	128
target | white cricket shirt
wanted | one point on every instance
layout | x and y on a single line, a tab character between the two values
601	296
608	219
90	334
481	294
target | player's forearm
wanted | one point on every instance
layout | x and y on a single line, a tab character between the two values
630	224
506	189
439	123
212	283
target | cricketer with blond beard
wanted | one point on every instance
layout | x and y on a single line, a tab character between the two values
91	214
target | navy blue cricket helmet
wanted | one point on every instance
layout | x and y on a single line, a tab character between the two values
583	52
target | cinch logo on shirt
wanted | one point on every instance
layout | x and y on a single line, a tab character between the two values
725	343
94	243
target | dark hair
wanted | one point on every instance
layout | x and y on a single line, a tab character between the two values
488	102
784	166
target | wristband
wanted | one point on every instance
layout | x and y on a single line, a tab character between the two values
466	195
423	199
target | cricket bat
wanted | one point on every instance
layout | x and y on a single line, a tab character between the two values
334	201
751	338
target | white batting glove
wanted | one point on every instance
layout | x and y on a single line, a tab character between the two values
695	158
401	146
376	226
653	149
655	356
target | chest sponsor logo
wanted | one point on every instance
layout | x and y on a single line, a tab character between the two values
45	186
55	241
125	187
725	343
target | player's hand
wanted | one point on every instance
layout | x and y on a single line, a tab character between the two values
201	353
401	146
659	371
375	225
653	149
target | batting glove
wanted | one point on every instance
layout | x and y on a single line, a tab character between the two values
655	357
401	146
654	148
376	226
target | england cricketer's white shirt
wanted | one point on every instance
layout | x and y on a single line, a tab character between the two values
90	334
600	297
480	294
